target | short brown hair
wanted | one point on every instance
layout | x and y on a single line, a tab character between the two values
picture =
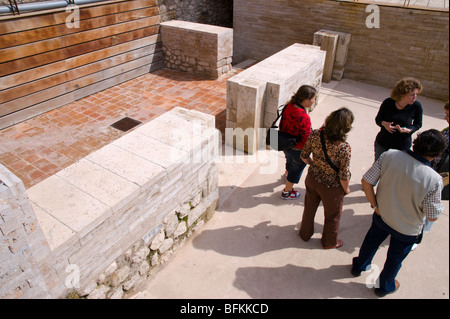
405	86
338	124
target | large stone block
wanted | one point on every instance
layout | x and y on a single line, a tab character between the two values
336	52
328	43
249	98
254	95
197	48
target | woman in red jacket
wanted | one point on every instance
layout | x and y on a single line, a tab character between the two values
296	121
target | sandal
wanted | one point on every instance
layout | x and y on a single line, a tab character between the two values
339	243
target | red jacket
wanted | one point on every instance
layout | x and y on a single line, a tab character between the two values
297	122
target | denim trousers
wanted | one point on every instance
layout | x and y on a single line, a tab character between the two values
399	247
294	165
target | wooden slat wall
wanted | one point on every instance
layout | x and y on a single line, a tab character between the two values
44	64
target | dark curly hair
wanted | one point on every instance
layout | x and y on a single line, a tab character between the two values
338	124
430	143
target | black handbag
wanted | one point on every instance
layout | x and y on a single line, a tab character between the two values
281	140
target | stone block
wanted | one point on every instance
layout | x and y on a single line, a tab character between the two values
166	245
67	203
250	103
196	47
152	150
113	158
100	183
328	43
22	242
254	95
340	54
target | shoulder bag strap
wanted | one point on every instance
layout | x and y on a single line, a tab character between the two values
279	114
326	154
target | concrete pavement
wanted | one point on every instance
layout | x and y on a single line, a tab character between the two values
251	247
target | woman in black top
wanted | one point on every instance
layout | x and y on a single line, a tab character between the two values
399	117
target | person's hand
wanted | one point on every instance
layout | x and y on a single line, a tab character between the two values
402	129
389	127
377	211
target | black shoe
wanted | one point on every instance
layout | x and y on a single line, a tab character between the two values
354	272
381	293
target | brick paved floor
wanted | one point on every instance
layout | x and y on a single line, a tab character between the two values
38	148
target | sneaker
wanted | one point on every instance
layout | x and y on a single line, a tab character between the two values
293	194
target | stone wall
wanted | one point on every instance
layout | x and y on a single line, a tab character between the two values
22	242
409	42
197	48
214	12
100	227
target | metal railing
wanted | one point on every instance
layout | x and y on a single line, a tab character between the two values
15	8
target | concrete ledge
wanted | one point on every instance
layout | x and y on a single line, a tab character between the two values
151	188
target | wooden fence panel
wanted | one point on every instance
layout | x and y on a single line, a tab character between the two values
45	64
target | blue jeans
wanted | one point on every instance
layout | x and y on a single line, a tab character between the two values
294	165
399	247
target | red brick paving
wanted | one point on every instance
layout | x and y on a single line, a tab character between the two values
38	148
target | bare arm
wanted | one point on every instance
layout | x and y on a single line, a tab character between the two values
308	161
